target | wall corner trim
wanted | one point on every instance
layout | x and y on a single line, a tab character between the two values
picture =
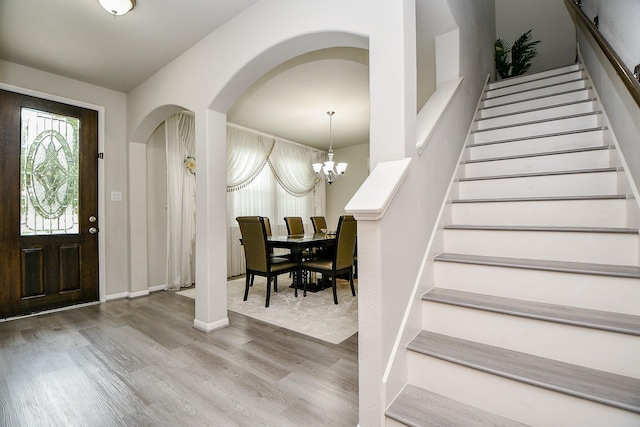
433	110
210	327
375	195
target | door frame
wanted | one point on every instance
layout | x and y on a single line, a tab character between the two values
102	275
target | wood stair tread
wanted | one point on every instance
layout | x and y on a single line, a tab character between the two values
529	137
550	95
536	174
518	92
544	265
535	122
543	228
595	319
531	110
515	81
417	407
542	198
543	154
606	388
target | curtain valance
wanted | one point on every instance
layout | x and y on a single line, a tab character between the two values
249	151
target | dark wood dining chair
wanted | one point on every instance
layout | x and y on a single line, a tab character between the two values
257	257
267	227
341	260
319	223
294	225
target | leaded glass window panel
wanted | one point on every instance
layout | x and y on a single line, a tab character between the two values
48	173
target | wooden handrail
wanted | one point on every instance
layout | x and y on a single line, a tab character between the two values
625	74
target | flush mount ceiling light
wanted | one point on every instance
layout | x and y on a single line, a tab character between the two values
117	7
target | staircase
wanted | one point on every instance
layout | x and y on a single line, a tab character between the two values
535	317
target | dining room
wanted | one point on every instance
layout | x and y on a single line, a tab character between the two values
269	173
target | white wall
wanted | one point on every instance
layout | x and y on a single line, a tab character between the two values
157	208
113	221
399	242
550	23
342	190
619	24
427	29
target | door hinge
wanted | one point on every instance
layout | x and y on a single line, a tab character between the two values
101	155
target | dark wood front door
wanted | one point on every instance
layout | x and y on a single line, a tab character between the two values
48	204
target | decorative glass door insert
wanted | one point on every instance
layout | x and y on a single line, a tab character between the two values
48	173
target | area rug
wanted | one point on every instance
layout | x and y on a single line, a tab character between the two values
314	315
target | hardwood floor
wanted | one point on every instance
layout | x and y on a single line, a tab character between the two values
141	363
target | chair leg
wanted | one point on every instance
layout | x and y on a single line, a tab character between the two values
335	290
275	283
268	291
353	290
252	276
246	287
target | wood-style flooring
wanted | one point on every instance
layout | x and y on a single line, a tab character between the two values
141	363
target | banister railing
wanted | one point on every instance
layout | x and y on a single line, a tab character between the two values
625	74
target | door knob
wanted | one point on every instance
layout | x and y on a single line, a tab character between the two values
92	218
93	230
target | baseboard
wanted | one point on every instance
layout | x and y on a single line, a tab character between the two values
157	288
120	295
139	294
210	327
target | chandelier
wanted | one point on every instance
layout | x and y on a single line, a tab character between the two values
327	170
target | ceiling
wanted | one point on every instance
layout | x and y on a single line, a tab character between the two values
80	40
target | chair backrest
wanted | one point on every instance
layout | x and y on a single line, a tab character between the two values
267	225
319	222
254	241
345	241
294	225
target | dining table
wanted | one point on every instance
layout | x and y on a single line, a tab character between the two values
296	244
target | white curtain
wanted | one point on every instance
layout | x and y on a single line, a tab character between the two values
291	165
181	200
286	188
247	153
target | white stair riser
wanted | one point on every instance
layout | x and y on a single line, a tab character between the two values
571	124
527	404
517	97
537	76
533	84
537	145
599	248
528	104
569	161
561	213
544	114
616	353
577	184
605	293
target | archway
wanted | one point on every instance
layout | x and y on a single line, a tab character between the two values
211	153
138	208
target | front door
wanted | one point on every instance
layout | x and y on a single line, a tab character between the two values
48	204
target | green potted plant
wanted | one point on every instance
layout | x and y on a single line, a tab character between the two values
515	60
